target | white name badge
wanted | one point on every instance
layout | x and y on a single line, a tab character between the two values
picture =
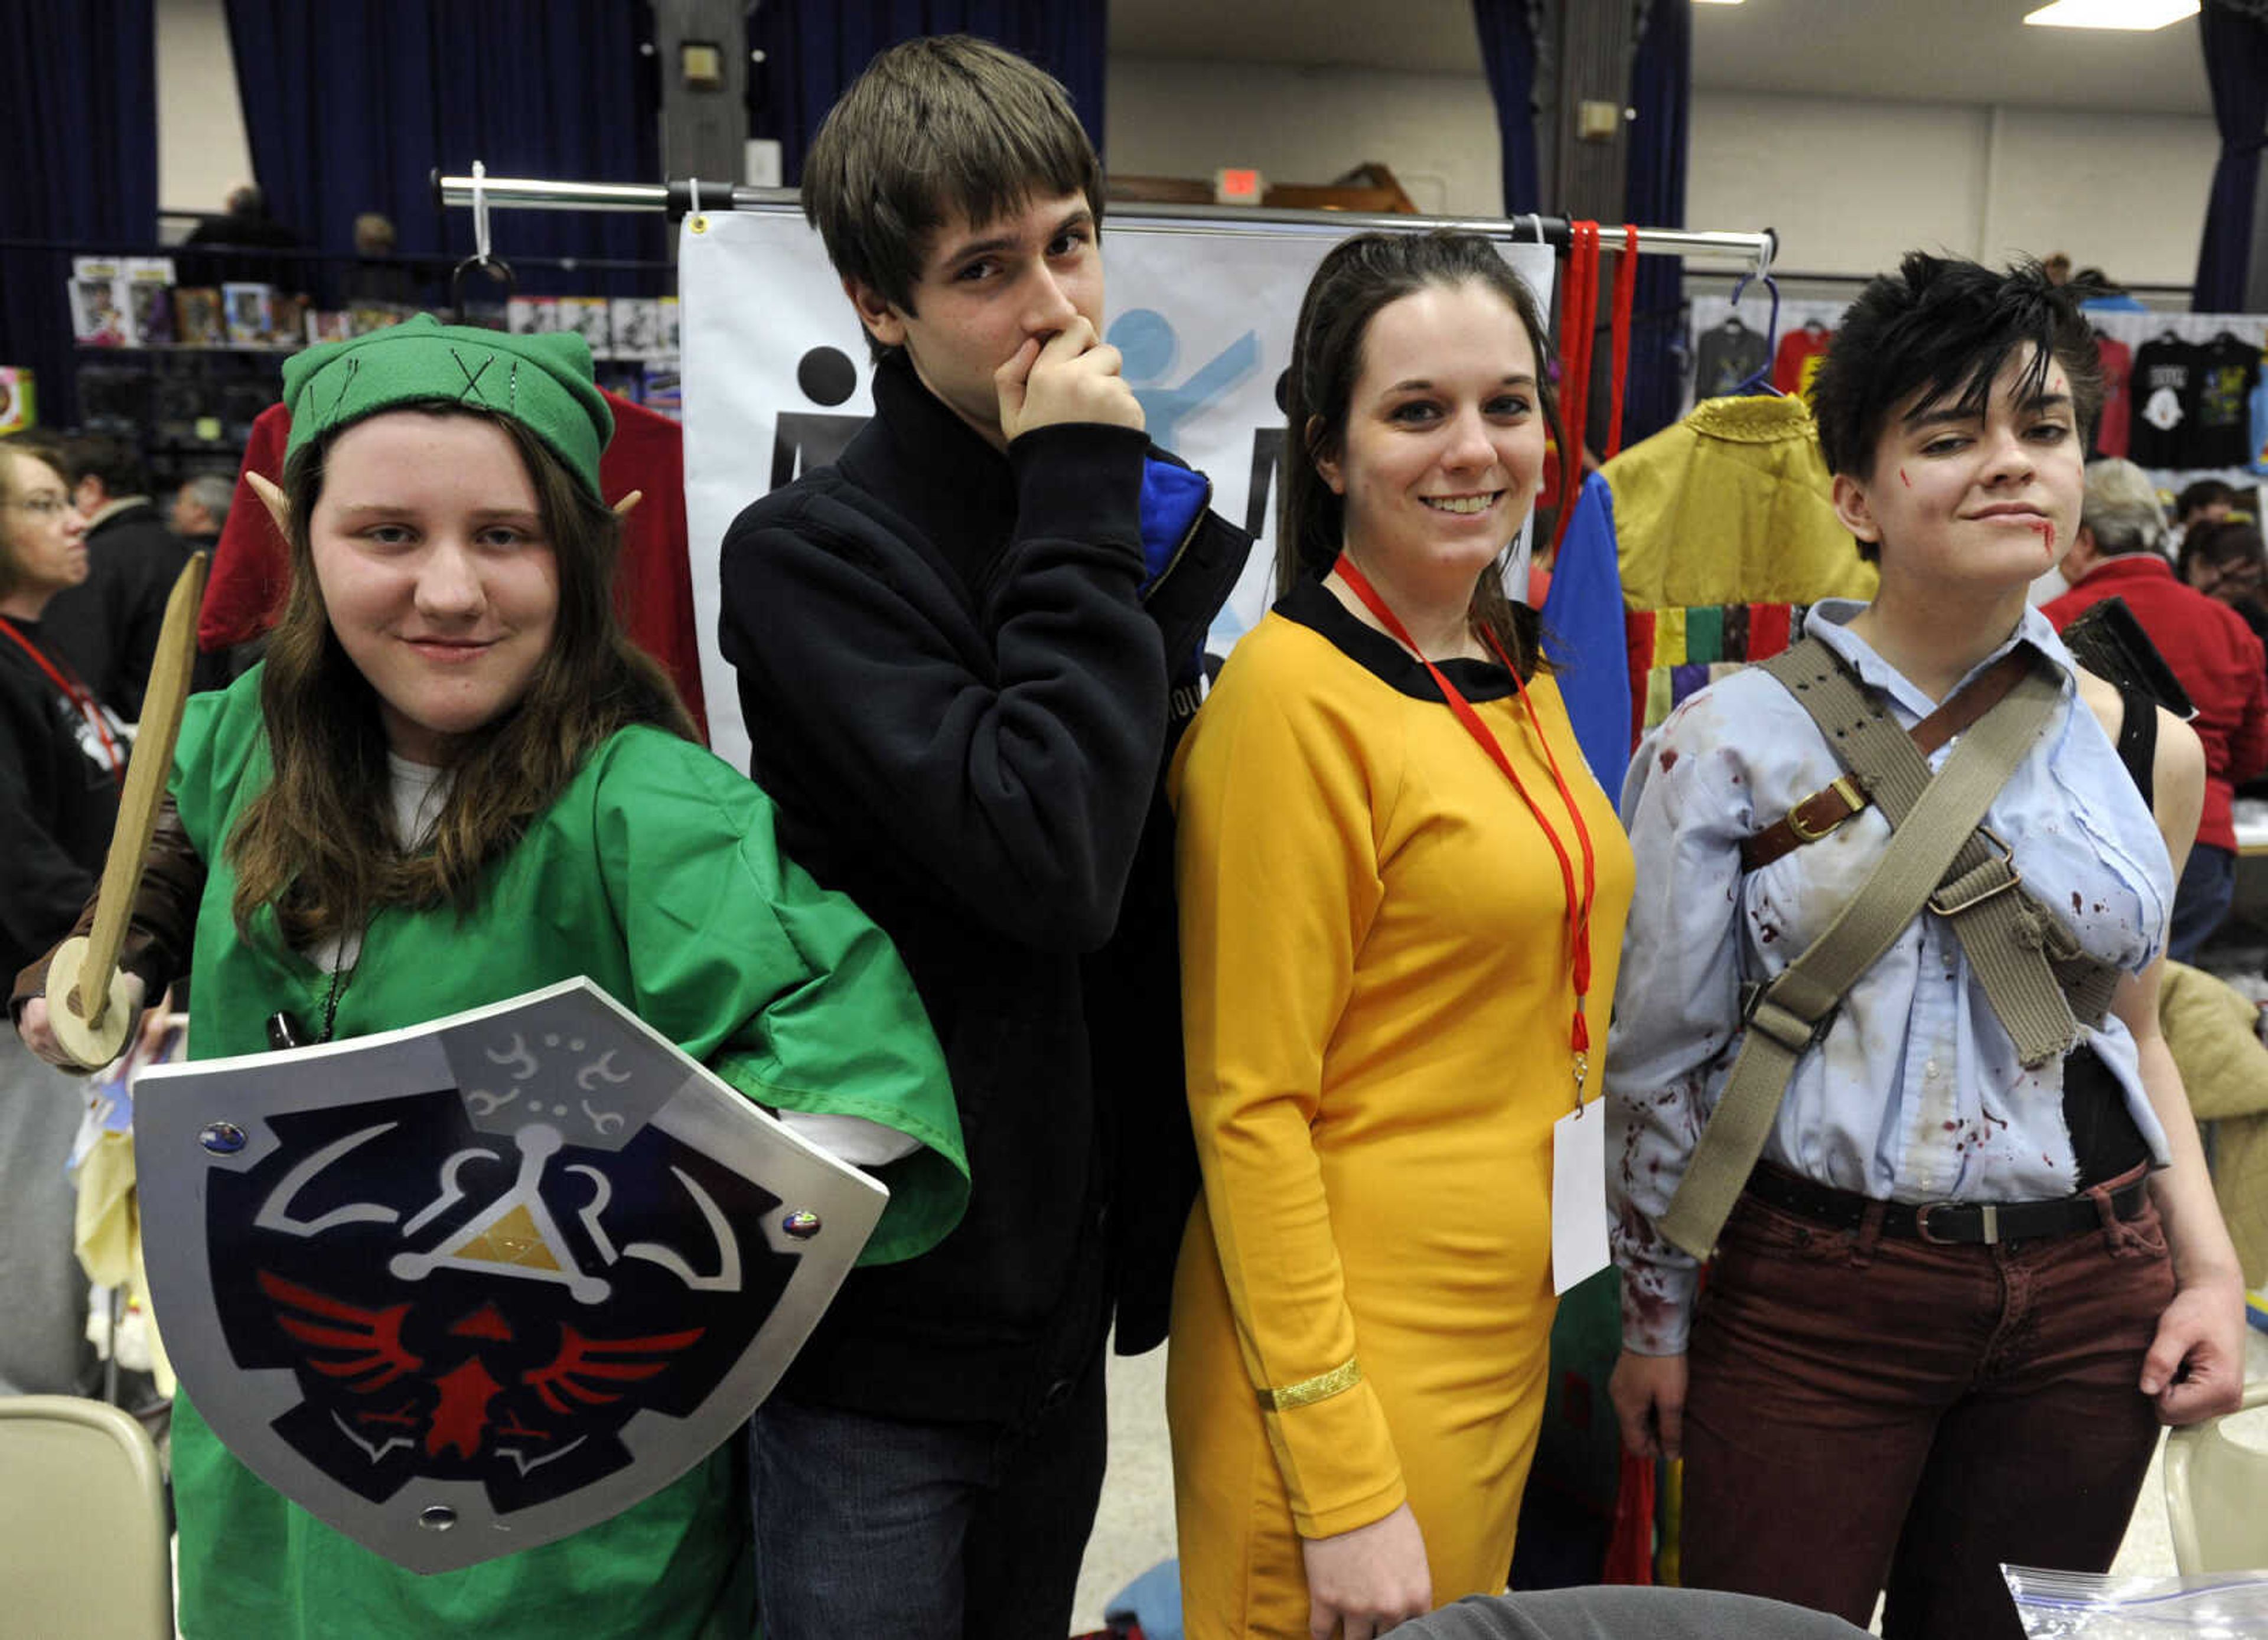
1578	1196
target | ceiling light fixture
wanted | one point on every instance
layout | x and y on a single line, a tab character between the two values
2136	16
1716	2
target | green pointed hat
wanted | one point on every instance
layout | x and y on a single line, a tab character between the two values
544	383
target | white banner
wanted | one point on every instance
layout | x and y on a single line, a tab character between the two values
777	380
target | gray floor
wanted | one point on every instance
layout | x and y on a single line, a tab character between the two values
1134	1529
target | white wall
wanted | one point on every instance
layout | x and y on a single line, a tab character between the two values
1850	184
1437	131
2125	193
201	153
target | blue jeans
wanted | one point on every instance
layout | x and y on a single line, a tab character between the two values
868	1526
2201	899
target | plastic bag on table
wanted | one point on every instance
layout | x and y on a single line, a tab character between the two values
2103	1605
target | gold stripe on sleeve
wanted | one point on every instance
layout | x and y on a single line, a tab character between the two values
1306	1392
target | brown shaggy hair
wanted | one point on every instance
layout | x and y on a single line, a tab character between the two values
933	126
317	842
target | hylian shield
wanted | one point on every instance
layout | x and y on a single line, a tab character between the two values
464	1289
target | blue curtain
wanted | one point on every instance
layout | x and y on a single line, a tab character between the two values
813	49
1653	196
2236	42
1508	31
78	107
350	106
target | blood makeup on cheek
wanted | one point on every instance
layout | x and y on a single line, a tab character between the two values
1903	479
2046	528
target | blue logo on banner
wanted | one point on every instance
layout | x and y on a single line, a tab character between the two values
1146	341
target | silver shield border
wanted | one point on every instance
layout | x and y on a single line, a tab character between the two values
241	1406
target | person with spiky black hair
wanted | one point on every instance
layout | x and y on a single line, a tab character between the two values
1966	1256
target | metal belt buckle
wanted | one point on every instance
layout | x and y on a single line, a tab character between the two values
1987	1212
1842	784
2007	859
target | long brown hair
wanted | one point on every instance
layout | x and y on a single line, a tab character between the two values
317	842
1359	275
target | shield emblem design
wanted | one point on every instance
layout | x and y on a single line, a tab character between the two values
466	1288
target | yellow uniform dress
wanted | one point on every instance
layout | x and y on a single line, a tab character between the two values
1377	988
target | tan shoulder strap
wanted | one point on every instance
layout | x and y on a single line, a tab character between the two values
2039	981
1936	827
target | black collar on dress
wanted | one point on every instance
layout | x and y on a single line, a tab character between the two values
1311	605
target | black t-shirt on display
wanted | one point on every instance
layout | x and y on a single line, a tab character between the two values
2165	380
1727	356
2222	435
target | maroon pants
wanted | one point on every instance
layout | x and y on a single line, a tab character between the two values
1868	1413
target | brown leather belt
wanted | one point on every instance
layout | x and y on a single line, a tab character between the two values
1824	810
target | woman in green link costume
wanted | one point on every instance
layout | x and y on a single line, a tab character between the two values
453	781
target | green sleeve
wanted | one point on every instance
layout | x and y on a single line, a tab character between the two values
786	990
222	730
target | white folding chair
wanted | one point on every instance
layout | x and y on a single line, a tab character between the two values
84	1544
2217	1495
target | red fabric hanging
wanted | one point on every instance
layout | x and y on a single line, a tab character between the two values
1579	315
1630	1541
1770	627
1625	299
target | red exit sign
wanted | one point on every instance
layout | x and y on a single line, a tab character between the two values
1234	187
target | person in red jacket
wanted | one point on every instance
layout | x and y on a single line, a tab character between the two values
2211	650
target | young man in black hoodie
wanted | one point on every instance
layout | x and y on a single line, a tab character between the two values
958	649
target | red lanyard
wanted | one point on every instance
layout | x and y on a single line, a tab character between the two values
1578	905
74	691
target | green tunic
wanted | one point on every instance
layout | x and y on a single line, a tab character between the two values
657	875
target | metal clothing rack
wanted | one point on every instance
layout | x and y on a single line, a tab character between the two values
480	193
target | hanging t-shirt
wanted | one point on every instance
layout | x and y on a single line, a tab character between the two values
2165	403
1798	360
2260	419
2110	428
1726	357
2226	367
